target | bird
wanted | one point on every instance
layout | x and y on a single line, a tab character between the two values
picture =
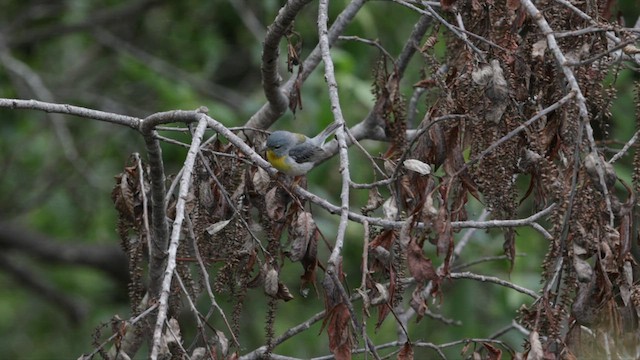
295	154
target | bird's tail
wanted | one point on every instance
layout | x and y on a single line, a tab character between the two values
327	132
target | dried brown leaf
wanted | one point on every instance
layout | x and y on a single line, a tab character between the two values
447	5
406	353
444	243
310	263
275	204
283	292
419	304
302	230
513	5
380	295
380	247
373	202
123	195
261	181
420	267
339	331
493	352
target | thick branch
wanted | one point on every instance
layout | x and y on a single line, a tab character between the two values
183	193
276	98
265	117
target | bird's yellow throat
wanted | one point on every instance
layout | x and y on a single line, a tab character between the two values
277	162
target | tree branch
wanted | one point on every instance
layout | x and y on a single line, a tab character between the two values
176	233
266	116
49	107
276	98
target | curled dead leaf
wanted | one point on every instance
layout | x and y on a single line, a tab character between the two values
373	202
283	292
417	166
271	282
261	180
420	267
302	230
276	204
418	304
216	227
406	353
389	209
123	195
631	49
493	352
538	49
382	295
338	322
535	350
584	271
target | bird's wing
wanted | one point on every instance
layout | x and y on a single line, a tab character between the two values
306	153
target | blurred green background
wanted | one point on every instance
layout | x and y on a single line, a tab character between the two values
167	55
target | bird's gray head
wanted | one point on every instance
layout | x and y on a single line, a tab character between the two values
280	142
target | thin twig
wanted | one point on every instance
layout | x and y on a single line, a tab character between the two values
625	148
374	43
428	10
129	323
539	115
495	280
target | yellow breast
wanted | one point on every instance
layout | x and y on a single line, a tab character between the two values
278	162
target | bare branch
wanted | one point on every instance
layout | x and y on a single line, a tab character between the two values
277	100
48	107
266	116
495	280
625	148
176	233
